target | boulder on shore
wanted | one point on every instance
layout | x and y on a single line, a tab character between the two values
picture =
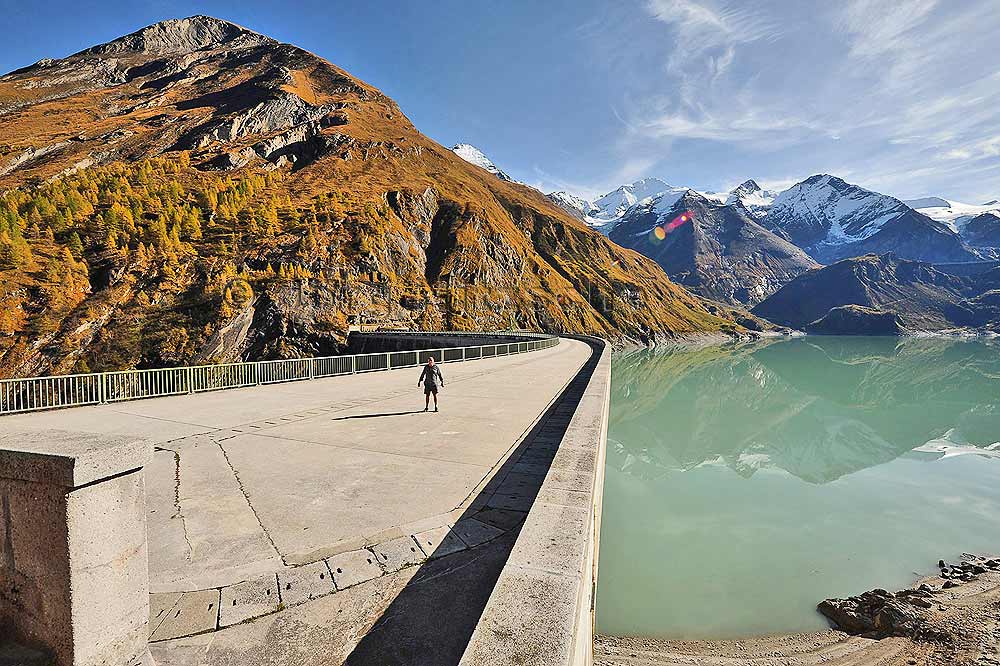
877	613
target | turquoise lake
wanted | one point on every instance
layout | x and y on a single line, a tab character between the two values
747	482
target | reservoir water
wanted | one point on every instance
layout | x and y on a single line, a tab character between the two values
747	482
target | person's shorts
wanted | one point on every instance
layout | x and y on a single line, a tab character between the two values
430	388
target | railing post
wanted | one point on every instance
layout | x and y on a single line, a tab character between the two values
190	379
388	360
102	389
256	372
354	365
312	368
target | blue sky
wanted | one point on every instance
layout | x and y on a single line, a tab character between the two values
902	96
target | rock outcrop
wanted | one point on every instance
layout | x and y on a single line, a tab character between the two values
877	613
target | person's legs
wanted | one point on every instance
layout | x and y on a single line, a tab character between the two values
427	400
435	400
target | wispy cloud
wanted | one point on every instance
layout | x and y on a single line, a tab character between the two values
877	27
896	93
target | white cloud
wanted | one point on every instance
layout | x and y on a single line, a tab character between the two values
877	27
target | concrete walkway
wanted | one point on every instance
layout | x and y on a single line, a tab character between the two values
248	482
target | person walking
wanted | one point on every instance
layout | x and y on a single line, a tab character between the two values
431	377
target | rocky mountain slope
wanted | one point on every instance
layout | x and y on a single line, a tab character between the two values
714	249
983	233
197	191
885	295
832	219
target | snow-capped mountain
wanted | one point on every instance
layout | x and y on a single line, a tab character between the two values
572	204
604	212
756	200
473	155
614	204
953	213
832	219
825	210
715	249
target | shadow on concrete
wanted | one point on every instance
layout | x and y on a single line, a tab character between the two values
375	416
432	619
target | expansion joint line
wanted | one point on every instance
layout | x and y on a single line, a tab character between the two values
178	511
246	496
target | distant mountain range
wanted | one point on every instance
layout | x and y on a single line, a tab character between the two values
745	246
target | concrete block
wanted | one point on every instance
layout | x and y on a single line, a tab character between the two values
159	606
535	468
473	532
581	499
564	479
249	599
529	619
304	583
193	613
517	484
397	553
67	458
576	460
590	412
588	439
73	555
500	518
512	502
353	567
553	538
439	541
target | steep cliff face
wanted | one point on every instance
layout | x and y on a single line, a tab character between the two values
222	195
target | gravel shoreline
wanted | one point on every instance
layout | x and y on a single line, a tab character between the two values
951	619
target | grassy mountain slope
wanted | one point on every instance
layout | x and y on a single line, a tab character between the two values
199	192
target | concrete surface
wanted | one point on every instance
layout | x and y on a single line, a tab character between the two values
414	515
73	558
247	481
541	610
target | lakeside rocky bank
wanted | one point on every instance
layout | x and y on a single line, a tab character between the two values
950	619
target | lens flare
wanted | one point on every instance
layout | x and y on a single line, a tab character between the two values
659	233
678	221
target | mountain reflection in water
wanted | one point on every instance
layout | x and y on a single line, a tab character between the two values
817	407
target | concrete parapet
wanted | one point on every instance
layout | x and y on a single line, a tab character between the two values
389	341
74	578
541	611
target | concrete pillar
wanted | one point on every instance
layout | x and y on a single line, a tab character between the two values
74	578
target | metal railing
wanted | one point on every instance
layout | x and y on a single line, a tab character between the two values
37	393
